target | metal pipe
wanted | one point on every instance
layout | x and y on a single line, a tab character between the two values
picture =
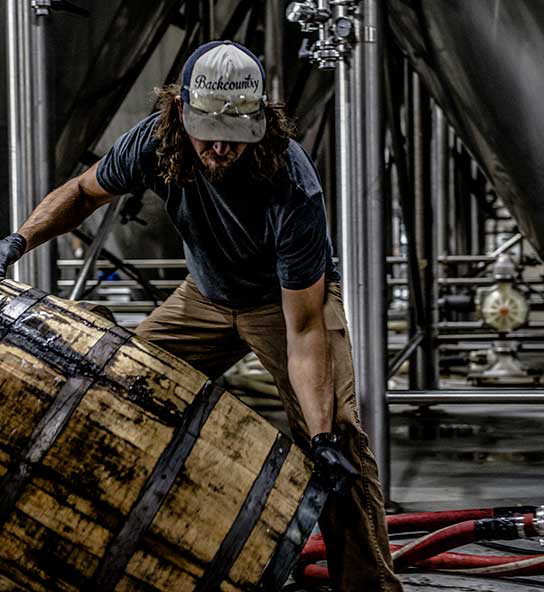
507	245
42	137
427	354
462	346
27	103
274	51
447	281
345	189
29	116
353	246
363	248
467	281
417	310
374	341
102	233
396	219
471	397
14	131
204	19
322	27
474	210
140	306
463	281
162	284
19	111
454	259
440	180
466	259
524	336
211	10
452	192
463	217
472	325
140	263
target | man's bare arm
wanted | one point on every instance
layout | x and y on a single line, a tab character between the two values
64	209
309	360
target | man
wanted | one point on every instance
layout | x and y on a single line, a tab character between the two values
248	205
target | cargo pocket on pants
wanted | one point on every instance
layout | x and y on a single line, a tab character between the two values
333	312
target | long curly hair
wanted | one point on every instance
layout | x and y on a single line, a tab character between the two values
177	160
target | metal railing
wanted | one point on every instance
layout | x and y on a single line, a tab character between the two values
466	396
139	263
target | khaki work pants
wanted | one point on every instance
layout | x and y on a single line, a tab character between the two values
212	338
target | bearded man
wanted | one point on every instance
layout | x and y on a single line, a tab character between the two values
248	205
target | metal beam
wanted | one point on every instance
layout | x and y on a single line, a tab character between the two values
108	220
116	263
471	397
404	354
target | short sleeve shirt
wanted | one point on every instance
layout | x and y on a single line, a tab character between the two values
244	239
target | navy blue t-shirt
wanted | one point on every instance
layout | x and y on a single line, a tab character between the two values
243	238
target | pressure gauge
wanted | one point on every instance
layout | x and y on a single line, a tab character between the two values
504	308
343	27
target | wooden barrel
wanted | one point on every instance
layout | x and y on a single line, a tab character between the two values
123	468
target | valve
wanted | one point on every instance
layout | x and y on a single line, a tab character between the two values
42	7
326	54
298	12
335	29
538	524
307	14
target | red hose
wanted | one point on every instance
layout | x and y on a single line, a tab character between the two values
314	575
314	550
434	520
432	544
429	551
528	566
448	561
453	563
458	535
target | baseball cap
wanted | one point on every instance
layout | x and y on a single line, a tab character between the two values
223	93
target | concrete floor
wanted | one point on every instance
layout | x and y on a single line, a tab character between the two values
468	456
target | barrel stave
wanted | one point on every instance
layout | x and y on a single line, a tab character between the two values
278	512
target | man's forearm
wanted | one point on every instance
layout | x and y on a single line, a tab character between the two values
59	212
310	373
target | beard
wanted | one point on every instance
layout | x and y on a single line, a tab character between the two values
217	168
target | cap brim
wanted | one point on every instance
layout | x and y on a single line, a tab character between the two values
227	128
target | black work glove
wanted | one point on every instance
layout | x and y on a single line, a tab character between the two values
332	468
12	249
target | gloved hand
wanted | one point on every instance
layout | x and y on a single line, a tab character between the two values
332	468
12	249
